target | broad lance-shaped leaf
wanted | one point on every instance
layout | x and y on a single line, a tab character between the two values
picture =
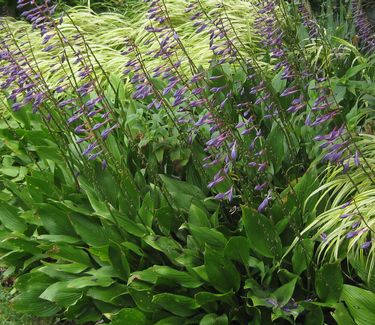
261	234
361	304
169	276
284	293
211	237
90	230
302	255
129	316
10	219
342	316
176	304
54	220
119	260
221	272
276	147
238	249
213	319
329	282
61	294
31	286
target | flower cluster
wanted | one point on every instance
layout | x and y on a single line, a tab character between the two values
77	99
365	29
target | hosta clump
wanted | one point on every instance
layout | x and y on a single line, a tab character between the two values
175	191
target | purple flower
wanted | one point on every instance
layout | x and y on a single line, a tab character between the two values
226	195
345	215
351	234
233	154
260	187
290	91
265	202
356	158
366	244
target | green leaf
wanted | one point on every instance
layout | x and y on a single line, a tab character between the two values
31	285
285	292
238	249
361	304
261	234
59	239
276	146
351	72
97	204
119	261
278	83
73	268
90	281
314	317
168	274
204	235
183	193
166	245
69	253
329	282
302	255
54	220
107	294
10	219
176	304
142	295
129	316
213	319
341	315
198	217
130	226
221	272
90	230
204	298
171	321
61	294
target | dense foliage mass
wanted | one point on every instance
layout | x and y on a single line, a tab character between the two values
189	162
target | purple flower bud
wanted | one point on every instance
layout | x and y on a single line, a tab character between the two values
356	158
366	244
351	234
345	215
265	203
215	182
90	148
260	187
233	154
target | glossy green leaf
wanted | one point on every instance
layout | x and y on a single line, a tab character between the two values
329	282
204	235
302	255
238	249
90	230
119	260
341	315
276	146
213	319
9	218
284	293
261	234
361	304
176	304
61	294
221	272
129	316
